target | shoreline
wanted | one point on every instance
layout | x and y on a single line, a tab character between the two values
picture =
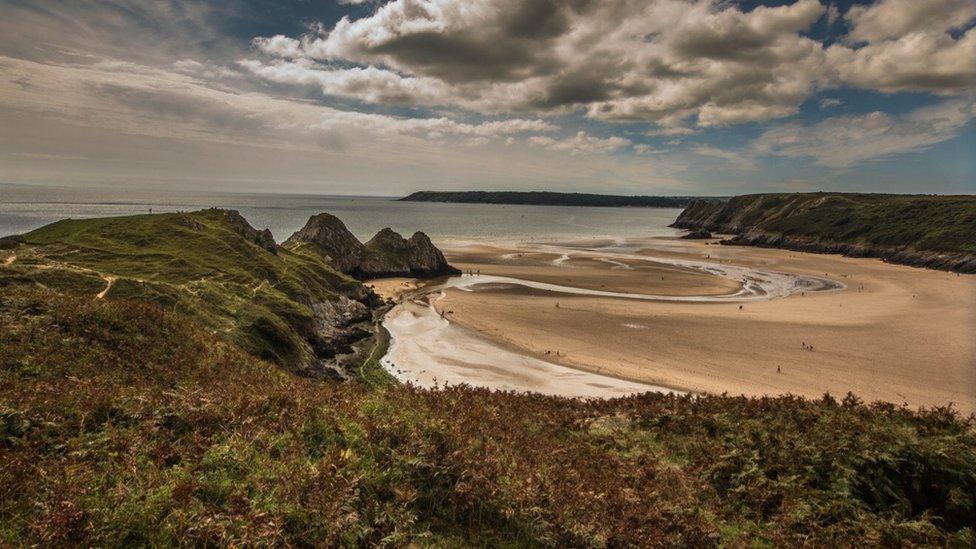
441	362
729	350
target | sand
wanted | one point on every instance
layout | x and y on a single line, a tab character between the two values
394	288
430	351
894	333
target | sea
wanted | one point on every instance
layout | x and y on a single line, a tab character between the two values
27	207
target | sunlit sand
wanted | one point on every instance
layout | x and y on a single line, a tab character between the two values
669	314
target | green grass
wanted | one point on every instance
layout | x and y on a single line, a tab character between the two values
194	263
920	222
124	423
160	416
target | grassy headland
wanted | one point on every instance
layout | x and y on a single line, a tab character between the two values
128	420
921	230
209	265
537	198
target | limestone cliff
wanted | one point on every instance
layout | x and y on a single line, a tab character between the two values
385	255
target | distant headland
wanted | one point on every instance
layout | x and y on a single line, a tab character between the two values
542	198
938	232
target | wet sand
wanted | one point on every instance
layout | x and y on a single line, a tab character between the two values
894	333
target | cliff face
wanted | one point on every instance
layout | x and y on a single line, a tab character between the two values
332	238
386	254
937	232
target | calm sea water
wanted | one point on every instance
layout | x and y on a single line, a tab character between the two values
23	208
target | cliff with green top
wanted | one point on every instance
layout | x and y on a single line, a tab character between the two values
937	232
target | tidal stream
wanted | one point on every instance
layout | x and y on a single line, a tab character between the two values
428	350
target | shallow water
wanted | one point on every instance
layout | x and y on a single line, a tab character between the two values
428	350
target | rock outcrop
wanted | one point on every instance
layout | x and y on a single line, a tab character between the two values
697	234
332	239
936	232
387	254
263	239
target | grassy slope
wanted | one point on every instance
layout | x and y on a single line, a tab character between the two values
926	223
122	423
194	263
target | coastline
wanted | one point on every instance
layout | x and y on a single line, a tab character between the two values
718	348
428	350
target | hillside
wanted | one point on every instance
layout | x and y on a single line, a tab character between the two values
143	402
537	198
938	232
126	424
290	307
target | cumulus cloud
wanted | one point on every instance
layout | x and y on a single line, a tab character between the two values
892	19
580	143
279	45
843	141
664	61
908	45
370	84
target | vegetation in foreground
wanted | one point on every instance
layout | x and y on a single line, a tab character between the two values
122	423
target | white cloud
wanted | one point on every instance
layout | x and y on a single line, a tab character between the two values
645	150
906	45
663	61
671	131
368	84
844	141
918	61
580	143
829	102
139	99
669	62
893	19
279	45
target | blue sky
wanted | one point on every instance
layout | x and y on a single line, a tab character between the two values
371	97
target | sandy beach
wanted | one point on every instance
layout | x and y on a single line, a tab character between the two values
892	333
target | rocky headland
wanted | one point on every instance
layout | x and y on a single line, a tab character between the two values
387	254
546	198
301	305
937	232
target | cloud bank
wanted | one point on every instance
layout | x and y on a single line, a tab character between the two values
666	62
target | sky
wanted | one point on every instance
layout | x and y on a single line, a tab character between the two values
658	97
